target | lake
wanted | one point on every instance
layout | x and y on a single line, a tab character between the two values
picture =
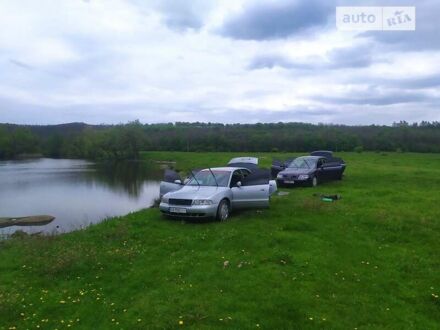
76	192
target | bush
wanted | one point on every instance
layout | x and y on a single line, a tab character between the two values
358	149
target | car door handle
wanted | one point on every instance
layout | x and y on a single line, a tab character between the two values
263	189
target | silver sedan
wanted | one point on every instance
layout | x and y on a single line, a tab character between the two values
215	192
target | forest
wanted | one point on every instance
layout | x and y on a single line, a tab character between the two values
124	141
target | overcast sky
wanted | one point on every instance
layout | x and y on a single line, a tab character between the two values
114	61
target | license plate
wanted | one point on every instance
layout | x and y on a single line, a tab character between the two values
177	210
289	181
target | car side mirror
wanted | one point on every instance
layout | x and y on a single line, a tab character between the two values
239	184
177	182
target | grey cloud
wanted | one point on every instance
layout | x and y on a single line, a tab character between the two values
426	35
356	57
407	84
340	58
431	81
21	64
270	61
274	20
21	113
183	15
425	82
376	98
332	112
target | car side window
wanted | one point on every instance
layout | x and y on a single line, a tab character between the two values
245	173
236	176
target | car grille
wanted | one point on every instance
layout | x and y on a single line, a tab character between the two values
288	176
175	201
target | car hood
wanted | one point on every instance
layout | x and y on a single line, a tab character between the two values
296	171
195	192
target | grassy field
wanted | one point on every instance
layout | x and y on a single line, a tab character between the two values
368	261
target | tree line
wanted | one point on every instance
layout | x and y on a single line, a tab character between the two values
72	141
124	141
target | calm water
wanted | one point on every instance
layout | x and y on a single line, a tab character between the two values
76	192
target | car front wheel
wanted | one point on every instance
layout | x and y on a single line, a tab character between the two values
223	211
314	182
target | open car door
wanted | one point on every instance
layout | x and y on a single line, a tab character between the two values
278	166
333	170
170	182
173	182
254	190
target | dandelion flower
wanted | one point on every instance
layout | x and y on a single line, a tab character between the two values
180	322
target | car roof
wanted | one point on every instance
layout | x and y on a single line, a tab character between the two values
311	157
228	169
326	151
249	160
323	153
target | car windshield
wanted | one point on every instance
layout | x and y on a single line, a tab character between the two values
303	162
205	178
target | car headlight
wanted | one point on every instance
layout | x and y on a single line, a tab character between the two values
165	200
202	202
303	177
279	176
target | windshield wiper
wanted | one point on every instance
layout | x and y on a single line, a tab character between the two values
213	176
194	178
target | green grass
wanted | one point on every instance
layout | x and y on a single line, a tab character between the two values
368	261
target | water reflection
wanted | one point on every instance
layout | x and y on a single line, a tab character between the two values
128	176
76	192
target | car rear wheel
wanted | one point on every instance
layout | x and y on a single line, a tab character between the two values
223	210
